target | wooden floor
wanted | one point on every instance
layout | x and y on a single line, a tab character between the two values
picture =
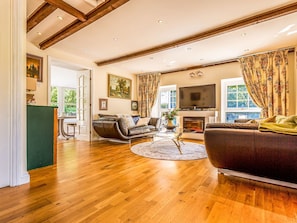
105	182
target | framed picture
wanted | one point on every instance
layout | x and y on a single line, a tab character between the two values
34	67
119	87
134	105
102	104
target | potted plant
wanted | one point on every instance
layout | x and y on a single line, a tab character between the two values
169	116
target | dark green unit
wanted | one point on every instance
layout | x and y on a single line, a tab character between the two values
40	124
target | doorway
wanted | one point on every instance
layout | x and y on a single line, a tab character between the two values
70	90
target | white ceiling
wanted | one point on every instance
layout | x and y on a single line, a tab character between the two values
134	27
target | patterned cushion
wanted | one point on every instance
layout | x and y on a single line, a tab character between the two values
125	122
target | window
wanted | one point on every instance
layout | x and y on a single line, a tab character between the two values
236	102
166	100
65	99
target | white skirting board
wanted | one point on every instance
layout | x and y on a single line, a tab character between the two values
257	178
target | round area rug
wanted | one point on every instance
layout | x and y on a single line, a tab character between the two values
167	150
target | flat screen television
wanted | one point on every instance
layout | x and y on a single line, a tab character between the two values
197	97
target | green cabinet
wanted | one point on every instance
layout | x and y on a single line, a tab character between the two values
41	135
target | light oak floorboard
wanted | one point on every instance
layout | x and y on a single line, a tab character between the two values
104	182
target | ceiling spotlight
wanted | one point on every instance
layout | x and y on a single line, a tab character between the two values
60	17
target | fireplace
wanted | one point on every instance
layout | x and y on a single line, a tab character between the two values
193	124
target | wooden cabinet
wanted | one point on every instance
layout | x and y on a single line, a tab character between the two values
41	136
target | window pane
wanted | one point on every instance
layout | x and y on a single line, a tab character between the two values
252	104
243	96
242	88
54	96
232	104
70	101
232	96
242	104
232	88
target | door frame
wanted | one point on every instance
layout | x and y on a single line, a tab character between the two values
71	66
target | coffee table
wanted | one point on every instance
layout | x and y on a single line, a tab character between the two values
169	135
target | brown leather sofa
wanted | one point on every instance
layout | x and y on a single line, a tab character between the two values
114	128
241	147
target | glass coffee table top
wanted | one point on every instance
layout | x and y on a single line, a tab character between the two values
169	135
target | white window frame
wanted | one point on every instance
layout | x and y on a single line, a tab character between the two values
157	108
224	109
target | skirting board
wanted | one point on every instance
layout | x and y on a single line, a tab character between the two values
257	178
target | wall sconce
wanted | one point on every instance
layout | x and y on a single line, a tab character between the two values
196	74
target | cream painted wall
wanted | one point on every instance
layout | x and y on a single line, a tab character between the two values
99	81
100	90
211	75
214	74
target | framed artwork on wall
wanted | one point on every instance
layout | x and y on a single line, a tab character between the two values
102	104
34	67
134	105
119	87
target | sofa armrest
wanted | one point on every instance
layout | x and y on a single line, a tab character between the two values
156	122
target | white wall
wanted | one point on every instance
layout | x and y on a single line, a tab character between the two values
13	166
62	77
5	69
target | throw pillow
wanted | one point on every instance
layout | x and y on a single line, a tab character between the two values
143	121
127	119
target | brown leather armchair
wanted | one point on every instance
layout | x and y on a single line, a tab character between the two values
242	147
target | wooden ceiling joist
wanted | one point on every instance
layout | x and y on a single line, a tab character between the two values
39	14
92	16
262	17
68	8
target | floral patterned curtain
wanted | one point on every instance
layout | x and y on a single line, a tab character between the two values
266	77
148	85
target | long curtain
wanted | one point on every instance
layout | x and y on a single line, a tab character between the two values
266	77
148	85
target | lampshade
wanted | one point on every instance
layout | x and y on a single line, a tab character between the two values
31	84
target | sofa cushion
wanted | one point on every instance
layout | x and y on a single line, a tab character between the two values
135	130
143	121
125	122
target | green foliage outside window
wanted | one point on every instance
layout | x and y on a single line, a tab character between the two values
238	97
54	96
70	101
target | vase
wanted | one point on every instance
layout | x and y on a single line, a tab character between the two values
170	124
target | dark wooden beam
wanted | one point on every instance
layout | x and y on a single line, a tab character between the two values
92	16
68	8
39	14
262	17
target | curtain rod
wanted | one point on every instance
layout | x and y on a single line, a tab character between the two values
290	49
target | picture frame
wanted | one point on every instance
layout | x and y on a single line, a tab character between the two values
34	67
134	105
119	87
103	104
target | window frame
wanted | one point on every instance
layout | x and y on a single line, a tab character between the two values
224	109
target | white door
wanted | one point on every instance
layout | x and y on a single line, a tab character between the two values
84	105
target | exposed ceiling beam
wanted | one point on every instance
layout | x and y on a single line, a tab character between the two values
68	8
262	17
92	16
39	14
